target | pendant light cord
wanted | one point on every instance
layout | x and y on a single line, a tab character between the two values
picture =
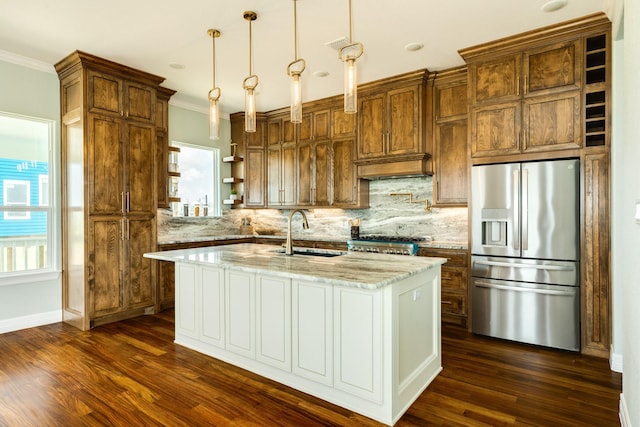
295	30
350	20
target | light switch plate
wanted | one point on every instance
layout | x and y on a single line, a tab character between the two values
637	211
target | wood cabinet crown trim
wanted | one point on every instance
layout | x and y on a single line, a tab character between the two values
82	59
517	43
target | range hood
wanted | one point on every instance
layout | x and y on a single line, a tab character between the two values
395	167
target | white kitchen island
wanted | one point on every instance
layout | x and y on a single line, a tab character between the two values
359	330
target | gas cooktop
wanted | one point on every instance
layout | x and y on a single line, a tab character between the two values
382	238
398	245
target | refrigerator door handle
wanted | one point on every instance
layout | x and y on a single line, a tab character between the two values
516	213
521	265
482	284
525	209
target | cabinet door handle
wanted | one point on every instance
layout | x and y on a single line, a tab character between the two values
518	85
128	201
122	207
122	229
128	235
526	83
446	302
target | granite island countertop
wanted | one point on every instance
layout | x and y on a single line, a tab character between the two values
435	244
354	269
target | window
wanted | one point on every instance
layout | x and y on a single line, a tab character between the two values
199	184
27	235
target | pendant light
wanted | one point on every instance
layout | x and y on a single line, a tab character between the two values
348	54
294	70
249	84
214	94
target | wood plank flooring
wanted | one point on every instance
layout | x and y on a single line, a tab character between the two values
131	374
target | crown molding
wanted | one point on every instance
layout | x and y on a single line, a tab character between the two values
34	64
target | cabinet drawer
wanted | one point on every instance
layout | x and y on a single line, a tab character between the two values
455	258
454	279
454	303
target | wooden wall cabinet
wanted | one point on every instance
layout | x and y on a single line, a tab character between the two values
162	143
109	189
281	162
526	102
454	279
392	133
253	170
305	165
450	138
390	123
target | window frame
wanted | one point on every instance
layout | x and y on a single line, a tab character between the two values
215	203
52	268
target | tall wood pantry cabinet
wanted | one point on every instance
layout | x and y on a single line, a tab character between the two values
109	189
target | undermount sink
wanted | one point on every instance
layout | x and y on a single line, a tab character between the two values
327	253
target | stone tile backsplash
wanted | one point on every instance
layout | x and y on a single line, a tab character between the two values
387	214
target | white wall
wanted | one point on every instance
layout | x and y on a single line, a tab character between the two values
626	255
35	93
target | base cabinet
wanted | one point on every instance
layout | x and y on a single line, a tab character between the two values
273	321
373	351
312	331
455	274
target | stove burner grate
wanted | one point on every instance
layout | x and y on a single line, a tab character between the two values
382	238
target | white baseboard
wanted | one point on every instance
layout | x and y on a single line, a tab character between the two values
615	360
33	320
625	419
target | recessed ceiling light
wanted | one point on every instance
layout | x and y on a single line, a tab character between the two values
321	73
412	47
553	5
176	65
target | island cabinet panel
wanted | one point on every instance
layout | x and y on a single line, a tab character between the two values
273	321
188	278
358	344
211	300
240	290
312	331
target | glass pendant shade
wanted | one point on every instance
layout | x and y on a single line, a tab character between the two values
296	99
350	86
214	119
348	55
250	111
214	94
250	83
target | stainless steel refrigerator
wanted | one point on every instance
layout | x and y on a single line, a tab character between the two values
525	246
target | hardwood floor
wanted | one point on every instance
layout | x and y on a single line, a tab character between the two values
131	374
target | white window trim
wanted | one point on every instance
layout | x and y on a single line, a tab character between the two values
215	205
53	270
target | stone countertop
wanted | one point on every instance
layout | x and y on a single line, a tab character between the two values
297	236
361	270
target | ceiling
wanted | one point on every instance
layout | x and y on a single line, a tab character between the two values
152	34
